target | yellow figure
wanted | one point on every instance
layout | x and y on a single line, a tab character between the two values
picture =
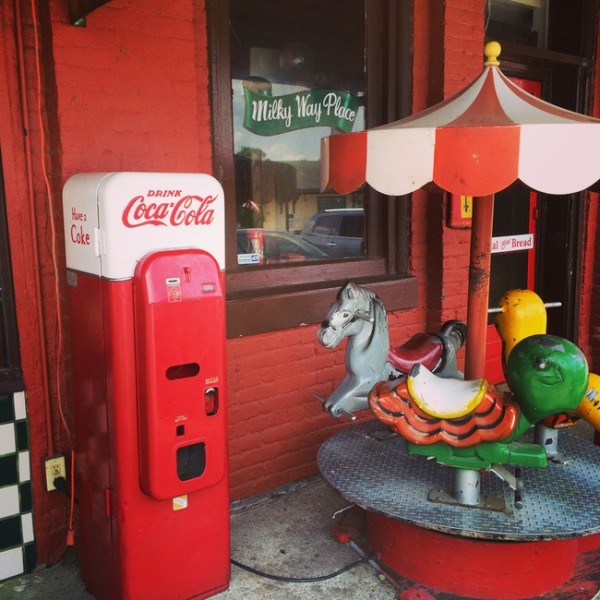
590	405
522	314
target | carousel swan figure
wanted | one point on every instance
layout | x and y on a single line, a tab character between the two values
360	316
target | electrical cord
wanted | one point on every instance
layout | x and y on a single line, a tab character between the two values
300	579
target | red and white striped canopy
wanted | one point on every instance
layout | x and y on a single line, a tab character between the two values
476	143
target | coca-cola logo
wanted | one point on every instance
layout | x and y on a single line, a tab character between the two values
188	210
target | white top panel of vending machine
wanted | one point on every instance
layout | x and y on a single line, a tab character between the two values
114	219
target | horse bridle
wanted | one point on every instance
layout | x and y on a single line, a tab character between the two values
354	316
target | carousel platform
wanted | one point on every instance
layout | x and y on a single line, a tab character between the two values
501	549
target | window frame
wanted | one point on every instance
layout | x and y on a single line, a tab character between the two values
268	298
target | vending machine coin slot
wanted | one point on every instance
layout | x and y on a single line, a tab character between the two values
211	401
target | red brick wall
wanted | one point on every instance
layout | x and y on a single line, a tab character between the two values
129	92
133	88
276	424
463	43
448	54
28	207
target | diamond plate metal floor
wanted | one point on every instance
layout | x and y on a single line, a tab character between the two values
369	466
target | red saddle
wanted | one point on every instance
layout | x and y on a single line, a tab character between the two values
426	349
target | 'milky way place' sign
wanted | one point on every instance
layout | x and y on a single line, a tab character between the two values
271	115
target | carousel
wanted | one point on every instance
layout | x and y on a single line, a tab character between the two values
468	487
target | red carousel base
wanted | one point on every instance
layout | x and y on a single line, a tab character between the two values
547	548
475	568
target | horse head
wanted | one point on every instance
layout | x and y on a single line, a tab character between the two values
347	315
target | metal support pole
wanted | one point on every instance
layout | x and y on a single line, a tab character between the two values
547	437
467	486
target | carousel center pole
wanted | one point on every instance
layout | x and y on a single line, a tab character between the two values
479	286
466	482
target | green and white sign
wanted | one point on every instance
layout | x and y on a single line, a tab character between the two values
265	114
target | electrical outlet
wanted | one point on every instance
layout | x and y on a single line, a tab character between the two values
55	467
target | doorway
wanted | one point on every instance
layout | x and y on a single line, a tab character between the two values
514	244
547	48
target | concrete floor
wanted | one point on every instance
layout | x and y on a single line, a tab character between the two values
286	533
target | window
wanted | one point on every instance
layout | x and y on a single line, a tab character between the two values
289	89
522	21
285	74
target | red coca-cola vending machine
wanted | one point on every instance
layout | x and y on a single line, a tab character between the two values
145	260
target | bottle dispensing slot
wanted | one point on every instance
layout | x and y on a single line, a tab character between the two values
191	461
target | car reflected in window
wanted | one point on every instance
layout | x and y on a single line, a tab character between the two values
266	246
339	232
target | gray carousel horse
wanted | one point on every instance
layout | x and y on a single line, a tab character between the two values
359	315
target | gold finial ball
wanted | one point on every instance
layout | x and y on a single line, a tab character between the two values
492	51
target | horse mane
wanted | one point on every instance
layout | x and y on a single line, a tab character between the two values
379	313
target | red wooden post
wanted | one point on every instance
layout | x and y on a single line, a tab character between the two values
479	286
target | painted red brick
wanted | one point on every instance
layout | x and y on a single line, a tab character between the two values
130	92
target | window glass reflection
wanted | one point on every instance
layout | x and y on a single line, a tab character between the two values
291	87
